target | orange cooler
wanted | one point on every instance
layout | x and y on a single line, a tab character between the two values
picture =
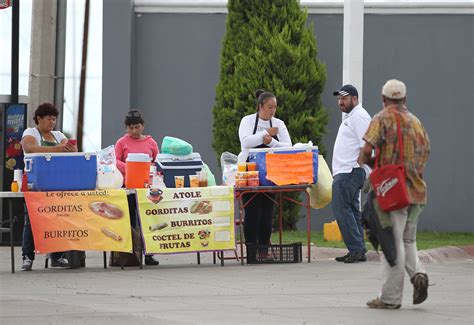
137	169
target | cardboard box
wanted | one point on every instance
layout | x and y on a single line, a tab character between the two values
74	171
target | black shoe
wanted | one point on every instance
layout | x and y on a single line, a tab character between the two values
356	257
60	262
420	285
150	260
342	258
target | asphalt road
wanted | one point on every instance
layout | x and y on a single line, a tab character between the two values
179	291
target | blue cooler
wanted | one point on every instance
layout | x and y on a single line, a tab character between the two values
173	165
74	171
259	157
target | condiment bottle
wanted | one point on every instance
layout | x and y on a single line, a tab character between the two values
14	186
24	183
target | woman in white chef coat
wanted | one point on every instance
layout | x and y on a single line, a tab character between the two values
261	130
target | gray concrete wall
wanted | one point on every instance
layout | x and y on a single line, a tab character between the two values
117	58
174	72
433	54
174	69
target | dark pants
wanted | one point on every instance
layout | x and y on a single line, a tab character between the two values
345	205
258	219
28	244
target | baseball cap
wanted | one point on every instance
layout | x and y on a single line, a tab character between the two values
346	90
394	89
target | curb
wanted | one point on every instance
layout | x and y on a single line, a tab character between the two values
434	255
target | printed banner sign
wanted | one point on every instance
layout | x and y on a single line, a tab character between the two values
15	123
80	220
178	220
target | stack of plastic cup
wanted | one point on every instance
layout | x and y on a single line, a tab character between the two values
18	177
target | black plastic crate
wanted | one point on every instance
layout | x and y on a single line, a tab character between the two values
285	253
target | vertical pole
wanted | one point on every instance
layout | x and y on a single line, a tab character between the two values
308	226
10	223
15	50
82	86
280	217
60	60
241	221
353	48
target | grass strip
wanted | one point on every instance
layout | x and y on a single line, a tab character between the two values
425	240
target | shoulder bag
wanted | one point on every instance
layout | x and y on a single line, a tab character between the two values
389	181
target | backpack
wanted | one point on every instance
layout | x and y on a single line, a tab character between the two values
129	259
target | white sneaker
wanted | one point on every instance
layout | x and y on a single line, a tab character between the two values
61	262
27	264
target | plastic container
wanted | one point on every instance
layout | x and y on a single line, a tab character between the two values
14	186
202	178
193	181
158	181
152	174
259	157
179	181
73	171
172	165
240	179
252	178
137	170
242	166
331	232
24	183
251	166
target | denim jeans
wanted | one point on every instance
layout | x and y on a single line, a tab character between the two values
28	244
345	205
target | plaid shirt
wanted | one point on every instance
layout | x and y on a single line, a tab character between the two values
382	134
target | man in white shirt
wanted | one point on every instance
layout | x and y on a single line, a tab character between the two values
348	175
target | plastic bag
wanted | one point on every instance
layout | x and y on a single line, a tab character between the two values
229	168
303	145
108	176
321	193
211	180
175	146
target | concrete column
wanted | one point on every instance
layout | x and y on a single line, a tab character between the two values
43	55
353	48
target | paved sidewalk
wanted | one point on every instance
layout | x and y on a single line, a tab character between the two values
179	291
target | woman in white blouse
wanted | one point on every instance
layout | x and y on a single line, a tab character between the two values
261	130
